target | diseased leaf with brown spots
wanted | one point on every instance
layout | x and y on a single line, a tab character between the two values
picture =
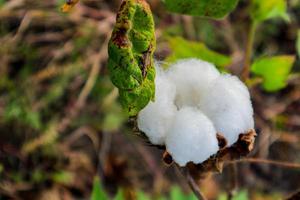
131	55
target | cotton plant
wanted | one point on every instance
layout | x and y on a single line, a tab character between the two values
194	102
184	107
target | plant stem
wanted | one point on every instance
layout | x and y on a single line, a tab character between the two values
192	183
249	51
234	180
270	162
194	186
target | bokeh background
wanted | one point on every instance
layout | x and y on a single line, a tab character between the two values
63	134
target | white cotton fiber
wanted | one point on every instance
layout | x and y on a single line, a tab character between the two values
193	102
229	107
192	137
157	116
191	78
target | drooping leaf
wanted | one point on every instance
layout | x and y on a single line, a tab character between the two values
208	8
262	10
274	71
182	48
298	43
130	51
98	193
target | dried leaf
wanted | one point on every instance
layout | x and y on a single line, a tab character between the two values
69	5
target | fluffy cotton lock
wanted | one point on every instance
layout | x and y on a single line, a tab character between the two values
191	78
155	119
192	137
228	106
193	102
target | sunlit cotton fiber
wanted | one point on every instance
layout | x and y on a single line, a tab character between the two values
194	102
228	106
156	117
191	78
192	137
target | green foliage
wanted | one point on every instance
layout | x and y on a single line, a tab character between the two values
268	9
242	195
273	70
208	8
182	48
298	43
18	109
131	55
98	193
64	177
2	2
113	119
38	176
142	196
177	194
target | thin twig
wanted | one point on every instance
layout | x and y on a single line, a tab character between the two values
61	126
295	196
233	171
249	51
192	183
266	161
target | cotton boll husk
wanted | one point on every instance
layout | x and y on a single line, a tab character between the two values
192	77
229	107
192	137
155	119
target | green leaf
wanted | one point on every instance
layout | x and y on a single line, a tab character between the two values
63	177
112	121
274	71
222	196
119	195
98	193
298	43
177	194
130	52
142	196
208	8
262	10
182	48
242	195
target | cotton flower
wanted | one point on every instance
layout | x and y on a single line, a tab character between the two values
194	102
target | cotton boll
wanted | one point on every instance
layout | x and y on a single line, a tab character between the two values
229	107
156	117
192	77
192	137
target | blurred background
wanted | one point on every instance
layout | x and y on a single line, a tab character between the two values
63	134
